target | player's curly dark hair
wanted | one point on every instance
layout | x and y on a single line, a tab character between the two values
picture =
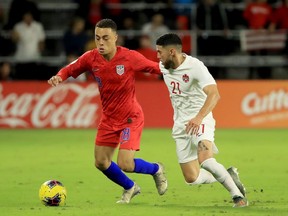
169	39
107	23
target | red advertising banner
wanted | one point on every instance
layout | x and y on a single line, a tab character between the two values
37	105
243	104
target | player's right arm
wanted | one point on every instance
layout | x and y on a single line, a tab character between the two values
142	64
74	69
209	87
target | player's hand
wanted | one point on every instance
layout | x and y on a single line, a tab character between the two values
55	80
193	125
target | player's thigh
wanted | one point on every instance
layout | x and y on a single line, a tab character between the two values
206	131
190	170
204	139
186	150
205	150
107	137
106	142
130	136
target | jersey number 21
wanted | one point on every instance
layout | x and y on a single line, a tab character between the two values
176	87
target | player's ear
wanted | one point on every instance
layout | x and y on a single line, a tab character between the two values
116	37
172	51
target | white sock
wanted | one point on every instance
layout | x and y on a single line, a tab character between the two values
204	177
222	176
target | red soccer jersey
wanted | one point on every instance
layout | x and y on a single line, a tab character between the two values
116	82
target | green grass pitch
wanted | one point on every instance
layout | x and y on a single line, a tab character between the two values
30	157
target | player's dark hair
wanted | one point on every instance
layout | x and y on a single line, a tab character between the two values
169	39
107	23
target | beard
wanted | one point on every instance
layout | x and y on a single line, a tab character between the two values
168	64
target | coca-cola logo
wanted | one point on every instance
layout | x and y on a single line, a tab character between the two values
67	105
253	103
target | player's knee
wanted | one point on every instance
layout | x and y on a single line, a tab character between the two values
100	164
189	179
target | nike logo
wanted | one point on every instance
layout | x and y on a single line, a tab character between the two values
95	69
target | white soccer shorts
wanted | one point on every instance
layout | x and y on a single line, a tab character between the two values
186	145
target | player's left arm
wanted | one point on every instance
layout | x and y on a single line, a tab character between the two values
142	64
212	99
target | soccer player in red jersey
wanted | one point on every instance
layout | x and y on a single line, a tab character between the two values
121	124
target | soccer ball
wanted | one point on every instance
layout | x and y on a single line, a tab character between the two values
53	193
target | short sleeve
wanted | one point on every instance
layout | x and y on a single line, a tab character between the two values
203	75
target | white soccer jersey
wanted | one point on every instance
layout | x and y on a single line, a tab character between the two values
185	85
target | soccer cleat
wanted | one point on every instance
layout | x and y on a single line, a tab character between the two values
240	202
235	176
129	194
160	180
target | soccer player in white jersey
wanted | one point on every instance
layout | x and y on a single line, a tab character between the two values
194	94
